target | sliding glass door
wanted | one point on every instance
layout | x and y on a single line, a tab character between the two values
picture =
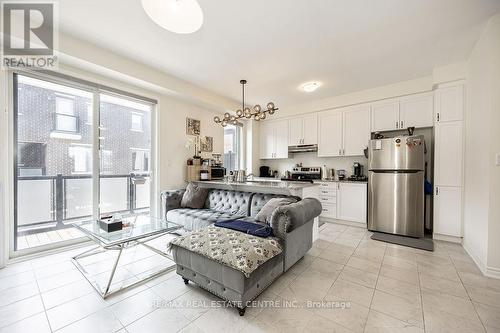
79	152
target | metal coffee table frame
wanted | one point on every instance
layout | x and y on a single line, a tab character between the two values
119	246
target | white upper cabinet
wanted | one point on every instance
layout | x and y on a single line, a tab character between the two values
416	111
385	115
449	103
303	130
344	132
295	127
356	130
310	136
330	133
281	135
274	139
266	140
448	153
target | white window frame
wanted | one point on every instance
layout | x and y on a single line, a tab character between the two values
141	124
8	180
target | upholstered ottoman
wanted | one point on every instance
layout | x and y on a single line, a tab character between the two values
212	257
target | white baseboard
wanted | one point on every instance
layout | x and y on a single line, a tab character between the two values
447	238
344	222
492	272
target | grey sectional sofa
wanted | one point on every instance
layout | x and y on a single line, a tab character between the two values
292	225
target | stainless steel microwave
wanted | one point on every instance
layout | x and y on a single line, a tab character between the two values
217	173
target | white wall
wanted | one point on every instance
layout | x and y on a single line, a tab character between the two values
482	177
173	138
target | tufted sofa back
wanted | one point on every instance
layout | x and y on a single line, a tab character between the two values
232	202
260	199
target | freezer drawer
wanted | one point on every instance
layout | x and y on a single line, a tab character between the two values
396	203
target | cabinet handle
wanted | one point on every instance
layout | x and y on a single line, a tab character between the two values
397	124
340	151
402	124
438	116
437	190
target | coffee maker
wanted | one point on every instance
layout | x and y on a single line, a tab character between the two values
357	172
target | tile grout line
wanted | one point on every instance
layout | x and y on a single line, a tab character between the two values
43	304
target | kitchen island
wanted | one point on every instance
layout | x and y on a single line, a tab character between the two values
273	186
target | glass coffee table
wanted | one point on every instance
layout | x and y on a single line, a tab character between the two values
142	229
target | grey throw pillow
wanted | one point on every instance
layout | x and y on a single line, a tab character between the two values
267	210
194	197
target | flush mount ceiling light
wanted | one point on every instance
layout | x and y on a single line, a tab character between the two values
179	16
310	86
245	112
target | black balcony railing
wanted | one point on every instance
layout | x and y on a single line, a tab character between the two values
60	216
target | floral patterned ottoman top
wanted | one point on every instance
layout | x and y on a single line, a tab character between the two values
235	249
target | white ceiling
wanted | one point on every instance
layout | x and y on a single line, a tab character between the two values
276	45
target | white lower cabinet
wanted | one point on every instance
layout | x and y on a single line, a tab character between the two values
352	202
448	211
344	201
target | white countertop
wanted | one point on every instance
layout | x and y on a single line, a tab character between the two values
259	182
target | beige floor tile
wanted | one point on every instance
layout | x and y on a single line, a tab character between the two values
281	283
353	316
346	291
14	312
489	315
301	265
15	280
484	295
479	280
194	303
315	251
351	242
310	285
373	254
358	276
442	285
325	266
66	293
159	321
172	288
318	324
191	328
437	321
67	313
100	322
321	244
438	270
14	294
457	306
364	264
405	275
37	323
409	291
398	307
378	322
402	253
399	262
135	307
466	267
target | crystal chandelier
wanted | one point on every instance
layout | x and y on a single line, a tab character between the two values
257	113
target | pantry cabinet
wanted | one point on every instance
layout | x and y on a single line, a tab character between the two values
448	161
274	139
344	132
448	211
303	130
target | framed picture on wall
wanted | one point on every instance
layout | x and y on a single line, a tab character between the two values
192	126
207	144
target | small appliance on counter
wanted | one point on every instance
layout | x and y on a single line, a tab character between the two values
265	171
357	173
217	173
341	174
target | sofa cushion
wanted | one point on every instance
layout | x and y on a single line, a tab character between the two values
194	197
267	210
196	219
231	202
260	199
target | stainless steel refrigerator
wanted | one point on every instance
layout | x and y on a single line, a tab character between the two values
396	185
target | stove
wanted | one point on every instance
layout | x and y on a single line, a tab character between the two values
306	173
